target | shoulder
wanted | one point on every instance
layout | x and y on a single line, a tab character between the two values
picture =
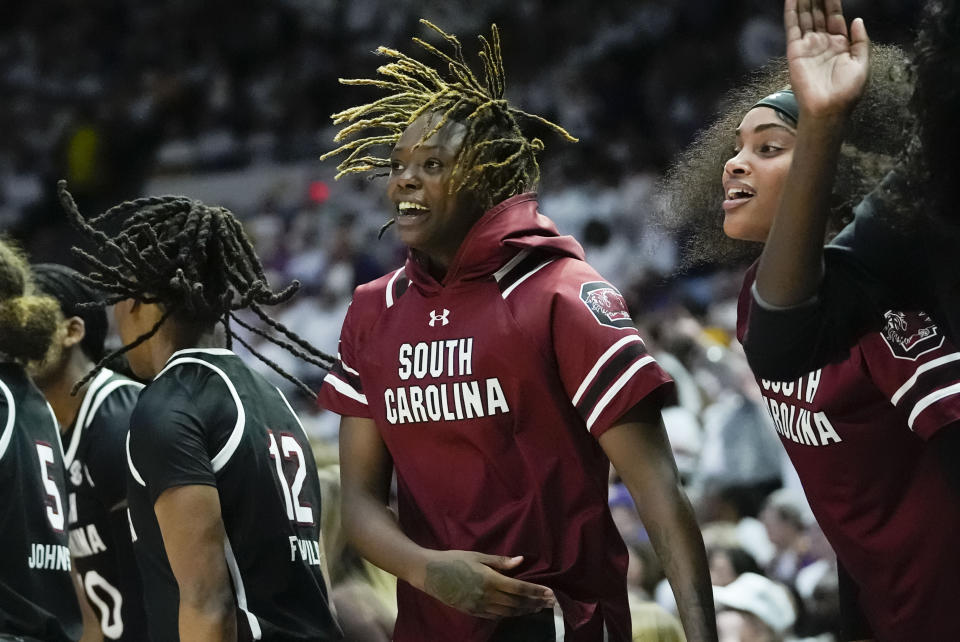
381	293
23	409
114	400
535	273
576	290
185	384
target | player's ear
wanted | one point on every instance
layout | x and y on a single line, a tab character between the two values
76	331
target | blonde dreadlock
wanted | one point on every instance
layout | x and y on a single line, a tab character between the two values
496	160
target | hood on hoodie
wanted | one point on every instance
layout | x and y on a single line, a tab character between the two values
512	225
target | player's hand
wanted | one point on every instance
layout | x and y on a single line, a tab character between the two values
472	582
828	66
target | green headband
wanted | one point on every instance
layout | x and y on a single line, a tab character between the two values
783	102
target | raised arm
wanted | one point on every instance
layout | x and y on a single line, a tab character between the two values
638	447
194	538
466	580
828	71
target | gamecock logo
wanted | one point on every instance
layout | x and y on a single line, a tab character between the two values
910	334
606	303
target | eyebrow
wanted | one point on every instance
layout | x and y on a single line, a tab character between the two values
421	146
766	126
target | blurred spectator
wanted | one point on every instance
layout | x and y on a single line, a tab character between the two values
786	516
753	608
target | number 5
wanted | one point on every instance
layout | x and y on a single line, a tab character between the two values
54	503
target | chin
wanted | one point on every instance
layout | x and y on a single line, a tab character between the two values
742	232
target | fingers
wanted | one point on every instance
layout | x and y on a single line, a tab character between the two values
500	562
525	590
859	41
819	17
521	604
805	16
835	22
791	20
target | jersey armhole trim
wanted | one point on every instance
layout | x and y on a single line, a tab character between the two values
7	434
223	457
83	413
240	590
290	408
105	392
133	469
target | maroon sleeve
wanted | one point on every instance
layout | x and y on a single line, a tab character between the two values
342	389
918	368
603	362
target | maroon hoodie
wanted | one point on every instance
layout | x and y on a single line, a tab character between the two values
490	390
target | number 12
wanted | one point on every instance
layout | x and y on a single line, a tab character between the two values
291	495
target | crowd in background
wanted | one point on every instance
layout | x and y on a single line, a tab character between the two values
184	94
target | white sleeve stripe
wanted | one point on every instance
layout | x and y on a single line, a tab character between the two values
512	263
223	457
56	430
390	287
616	388
526	276
239	589
81	421
931	399
133	469
11	418
599	364
346	367
104	393
299	423
930	365
345	389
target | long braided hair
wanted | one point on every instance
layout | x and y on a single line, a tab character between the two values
193	259
496	160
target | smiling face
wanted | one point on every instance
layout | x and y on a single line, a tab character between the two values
429	217
753	179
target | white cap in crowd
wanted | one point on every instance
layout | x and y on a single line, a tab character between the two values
759	596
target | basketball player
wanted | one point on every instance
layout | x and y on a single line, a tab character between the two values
499	376
223	490
37	596
94	425
812	303
857	429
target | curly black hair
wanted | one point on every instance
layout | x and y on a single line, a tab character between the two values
927	168
691	192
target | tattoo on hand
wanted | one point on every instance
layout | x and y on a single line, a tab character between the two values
454	583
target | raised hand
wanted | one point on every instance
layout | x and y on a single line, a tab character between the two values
828	65
469	582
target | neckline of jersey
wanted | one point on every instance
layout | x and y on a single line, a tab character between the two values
216	351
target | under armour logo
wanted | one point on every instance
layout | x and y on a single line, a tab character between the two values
443	318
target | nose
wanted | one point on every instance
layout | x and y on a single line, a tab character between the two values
736	165
409	178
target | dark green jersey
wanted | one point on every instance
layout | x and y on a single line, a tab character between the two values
37	598
208	419
96	462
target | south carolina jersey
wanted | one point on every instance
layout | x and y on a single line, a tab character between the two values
856	432
96	463
490	391
37	598
208	419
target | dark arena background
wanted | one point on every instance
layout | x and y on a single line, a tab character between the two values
230	103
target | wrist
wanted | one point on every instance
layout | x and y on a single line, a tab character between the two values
823	123
414	572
